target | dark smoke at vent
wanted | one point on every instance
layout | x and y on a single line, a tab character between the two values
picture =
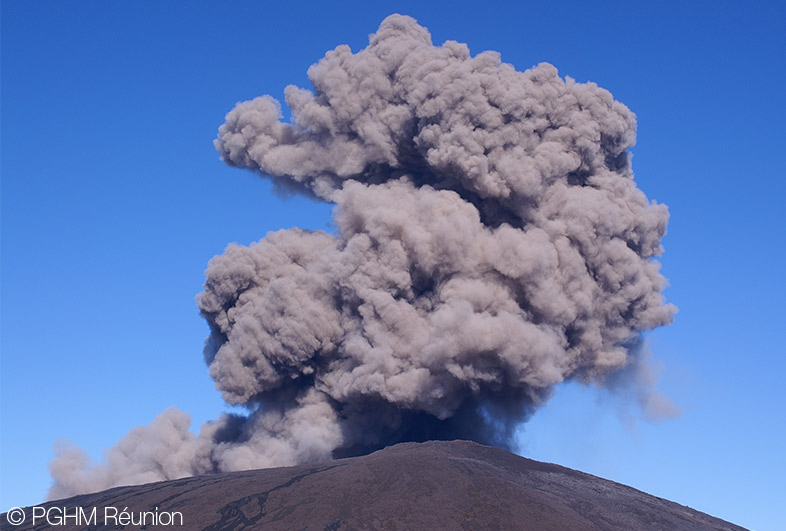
491	243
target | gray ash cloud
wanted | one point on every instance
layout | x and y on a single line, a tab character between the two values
490	243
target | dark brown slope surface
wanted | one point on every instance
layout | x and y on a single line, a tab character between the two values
434	485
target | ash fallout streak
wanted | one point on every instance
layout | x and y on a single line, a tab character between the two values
490	243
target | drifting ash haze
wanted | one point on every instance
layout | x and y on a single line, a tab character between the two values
490	243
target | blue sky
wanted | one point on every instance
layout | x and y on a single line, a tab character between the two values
113	201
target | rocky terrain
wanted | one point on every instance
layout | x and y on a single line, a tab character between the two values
420	486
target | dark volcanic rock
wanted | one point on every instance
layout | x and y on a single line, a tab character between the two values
433	485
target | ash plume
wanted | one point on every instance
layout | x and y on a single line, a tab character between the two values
490	243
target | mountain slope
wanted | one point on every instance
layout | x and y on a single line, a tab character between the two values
432	485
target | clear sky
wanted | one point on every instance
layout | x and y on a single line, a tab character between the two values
114	200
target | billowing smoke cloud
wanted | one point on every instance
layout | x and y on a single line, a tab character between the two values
490	243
